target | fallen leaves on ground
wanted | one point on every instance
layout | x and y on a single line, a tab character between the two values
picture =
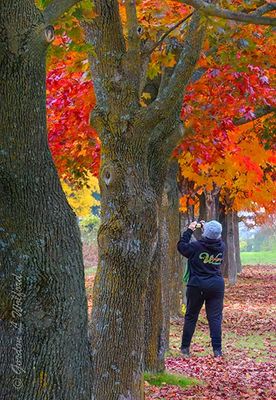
89	282
247	371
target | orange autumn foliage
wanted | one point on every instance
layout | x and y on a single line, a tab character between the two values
237	61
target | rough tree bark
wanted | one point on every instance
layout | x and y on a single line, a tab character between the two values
157	306
43	310
237	242
209	204
157	311
175	262
128	233
130	135
231	260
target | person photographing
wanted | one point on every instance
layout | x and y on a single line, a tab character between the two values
205	283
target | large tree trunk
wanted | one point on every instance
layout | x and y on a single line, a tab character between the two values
43	327
127	239
129	232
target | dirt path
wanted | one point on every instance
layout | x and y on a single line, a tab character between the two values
247	370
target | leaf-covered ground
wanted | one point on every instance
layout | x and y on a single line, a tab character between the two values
247	370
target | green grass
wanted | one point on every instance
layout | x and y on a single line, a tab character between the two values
255	346
260	257
164	378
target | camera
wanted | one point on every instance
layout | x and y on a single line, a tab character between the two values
199	225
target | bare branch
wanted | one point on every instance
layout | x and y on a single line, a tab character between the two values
259	113
173	28
212	10
145	61
56	9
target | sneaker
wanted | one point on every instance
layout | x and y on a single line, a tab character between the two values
217	353
185	351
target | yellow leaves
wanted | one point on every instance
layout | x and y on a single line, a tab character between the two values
82	200
183	203
83	152
159	60
168	60
154	70
146	96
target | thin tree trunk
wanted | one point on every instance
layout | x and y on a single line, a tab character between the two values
184	223
157	303
237	242
165	278
43	310
175	262
230	260
202	207
157	310
211	203
154	339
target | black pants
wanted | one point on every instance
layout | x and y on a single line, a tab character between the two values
213	304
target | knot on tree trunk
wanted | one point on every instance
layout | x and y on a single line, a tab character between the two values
49	33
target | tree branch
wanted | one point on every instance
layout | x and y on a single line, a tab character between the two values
132	27
259	113
105	34
214	11
133	55
172	94
265	8
56	9
173	28
164	139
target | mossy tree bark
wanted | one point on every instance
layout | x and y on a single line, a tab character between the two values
175	261
163	140
133	139
157	310
43	327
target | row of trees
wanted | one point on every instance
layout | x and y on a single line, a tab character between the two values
40	240
227	152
